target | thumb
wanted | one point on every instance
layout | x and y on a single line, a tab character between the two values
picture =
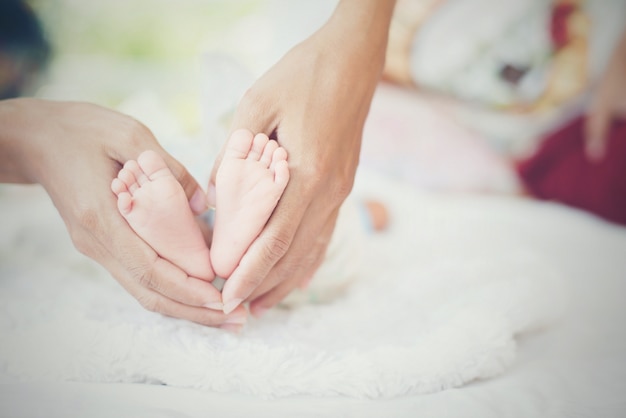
211	187
196	196
596	130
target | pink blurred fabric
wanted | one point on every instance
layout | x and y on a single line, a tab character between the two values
411	138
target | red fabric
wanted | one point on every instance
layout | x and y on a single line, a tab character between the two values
558	24
560	171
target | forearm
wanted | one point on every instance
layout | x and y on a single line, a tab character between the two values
374	15
364	25
621	46
16	127
618	56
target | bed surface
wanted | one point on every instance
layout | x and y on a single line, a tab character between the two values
573	366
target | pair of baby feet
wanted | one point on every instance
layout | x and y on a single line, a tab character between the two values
250	180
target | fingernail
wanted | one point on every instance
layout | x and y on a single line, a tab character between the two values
305	283
259	312
210	194
198	202
238	318
216	306
232	305
234	328
594	152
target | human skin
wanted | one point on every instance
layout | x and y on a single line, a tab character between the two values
314	102
74	150
608	102
252	177
155	205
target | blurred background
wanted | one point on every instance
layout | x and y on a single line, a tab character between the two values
470	86
496	54
157	55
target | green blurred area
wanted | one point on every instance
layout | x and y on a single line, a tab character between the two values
138	29
143	57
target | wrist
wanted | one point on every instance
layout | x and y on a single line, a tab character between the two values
16	137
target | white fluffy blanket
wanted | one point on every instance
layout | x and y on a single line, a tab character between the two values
441	298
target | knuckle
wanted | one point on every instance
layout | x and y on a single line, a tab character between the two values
308	265
340	190
314	258
251	282
342	187
150	303
88	226
336	186
135	133
252	106
314	172
251	98
79	239
88	218
140	269
144	277
307	262
276	247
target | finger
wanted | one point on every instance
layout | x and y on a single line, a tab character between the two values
158	303
299	272
269	247
172	282
303	258
135	264
296	269
596	130
146	269
211	187
155	297
254	113
145	275
262	304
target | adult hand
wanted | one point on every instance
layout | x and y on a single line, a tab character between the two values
314	102
608	102
74	150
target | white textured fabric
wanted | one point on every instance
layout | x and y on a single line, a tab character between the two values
439	301
343	263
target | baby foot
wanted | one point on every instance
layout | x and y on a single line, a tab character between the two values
155	206
250	181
